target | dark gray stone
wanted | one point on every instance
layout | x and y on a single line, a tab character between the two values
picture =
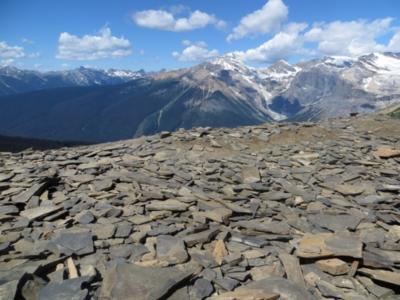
85	217
201	289
74	242
71	289
123	230
132	282
171	249
283	287
226	283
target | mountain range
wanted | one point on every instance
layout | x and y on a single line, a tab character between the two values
14	80
104	105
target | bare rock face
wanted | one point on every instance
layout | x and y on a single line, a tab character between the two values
279	211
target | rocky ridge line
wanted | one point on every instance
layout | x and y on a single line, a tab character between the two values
278	211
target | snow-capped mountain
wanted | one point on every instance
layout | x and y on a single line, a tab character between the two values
221	92
316	89
335	86
14	80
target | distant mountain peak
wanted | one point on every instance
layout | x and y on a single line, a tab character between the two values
338	61
14	80
229	61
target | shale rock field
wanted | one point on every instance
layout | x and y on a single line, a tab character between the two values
278	211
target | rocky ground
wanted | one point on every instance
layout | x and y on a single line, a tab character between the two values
279	211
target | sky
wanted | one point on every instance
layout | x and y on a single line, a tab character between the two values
156	34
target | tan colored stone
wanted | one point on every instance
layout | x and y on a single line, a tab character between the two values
220	252
59	267
386	152
333	266
219	214
312	278
298	200
197	147
312	246
72	271
254	253
250	175
349	189
329	244
394	232
259	273
306	156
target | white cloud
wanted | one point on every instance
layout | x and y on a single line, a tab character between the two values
164	20
283	45
179	9
195	52
11	52
351	38
394	43
265	20
92	47
6	62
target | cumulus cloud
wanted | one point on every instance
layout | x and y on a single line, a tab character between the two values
164	20
345	38
92	47
11	52
284	44
351	38
265	20
195	52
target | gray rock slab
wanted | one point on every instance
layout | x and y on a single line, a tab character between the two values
171	249
39	212
79	242
285	288
132	282
71	289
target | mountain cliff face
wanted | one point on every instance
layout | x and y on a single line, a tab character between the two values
219	93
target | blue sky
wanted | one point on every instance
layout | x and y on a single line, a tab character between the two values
48	34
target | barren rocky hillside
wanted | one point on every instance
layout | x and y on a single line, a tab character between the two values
278	211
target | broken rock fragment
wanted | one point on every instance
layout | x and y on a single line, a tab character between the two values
333	266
